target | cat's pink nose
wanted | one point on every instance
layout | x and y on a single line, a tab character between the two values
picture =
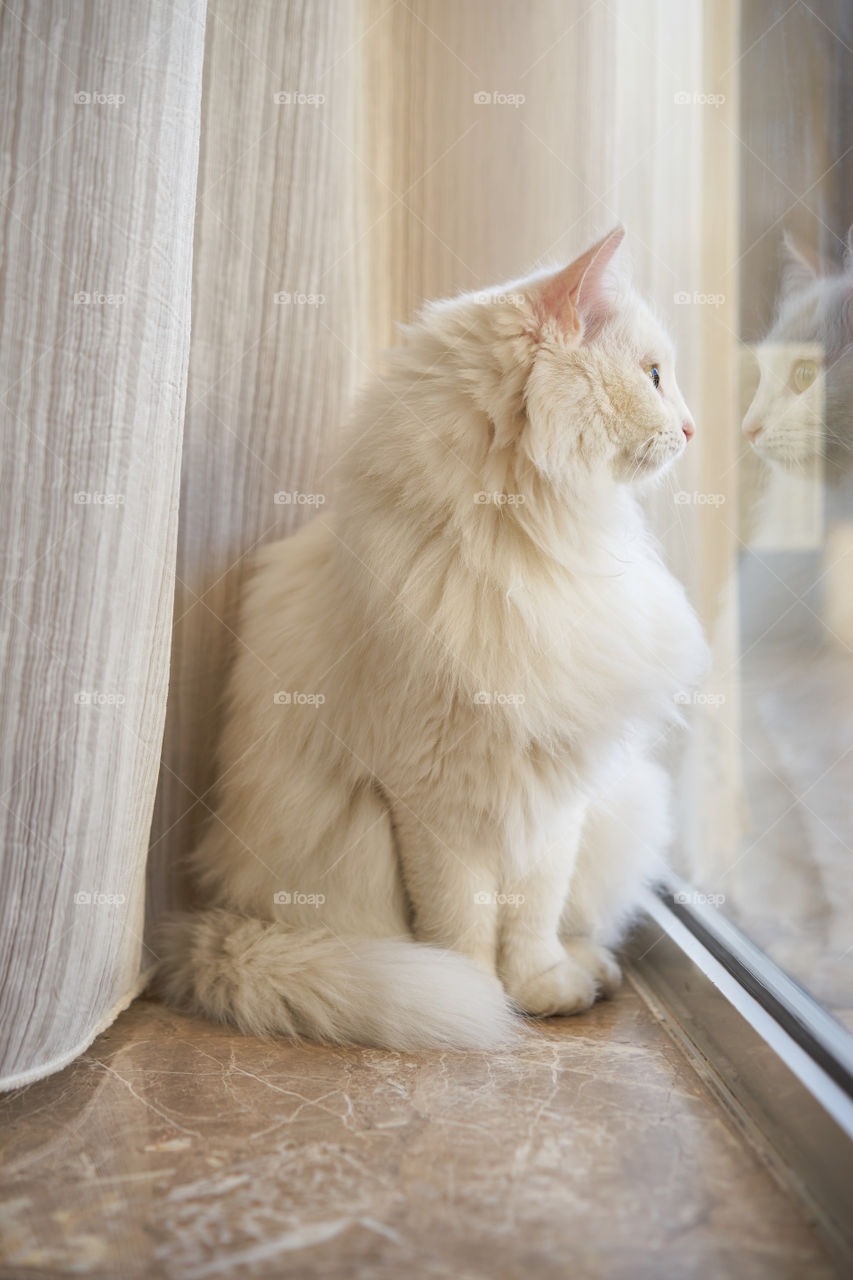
688	428
752	429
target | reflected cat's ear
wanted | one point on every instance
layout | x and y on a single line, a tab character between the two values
800	266
581	294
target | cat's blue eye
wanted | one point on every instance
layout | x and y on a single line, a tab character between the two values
654	373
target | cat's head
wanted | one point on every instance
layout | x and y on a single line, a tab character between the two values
572	368
803	406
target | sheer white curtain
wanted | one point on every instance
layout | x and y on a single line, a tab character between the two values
99	132
354	158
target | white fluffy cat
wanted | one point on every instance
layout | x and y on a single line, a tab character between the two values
437	798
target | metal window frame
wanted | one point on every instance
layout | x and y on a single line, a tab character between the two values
778	1062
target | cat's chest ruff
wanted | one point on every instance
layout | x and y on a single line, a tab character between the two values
598	616
610	645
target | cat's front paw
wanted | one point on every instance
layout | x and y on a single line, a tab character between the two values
599	963
565	988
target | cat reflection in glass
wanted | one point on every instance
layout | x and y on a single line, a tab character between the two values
793	886
800	421
804	399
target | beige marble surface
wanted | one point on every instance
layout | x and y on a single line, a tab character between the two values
177	1149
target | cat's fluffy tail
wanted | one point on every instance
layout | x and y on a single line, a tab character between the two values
268	979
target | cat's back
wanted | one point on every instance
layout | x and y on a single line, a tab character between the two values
288	596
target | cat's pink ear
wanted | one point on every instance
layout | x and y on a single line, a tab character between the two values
582	292
800	266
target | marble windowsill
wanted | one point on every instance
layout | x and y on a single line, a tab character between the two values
178	1149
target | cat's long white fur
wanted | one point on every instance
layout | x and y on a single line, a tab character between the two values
437	799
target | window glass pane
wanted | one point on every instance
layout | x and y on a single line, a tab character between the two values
774	739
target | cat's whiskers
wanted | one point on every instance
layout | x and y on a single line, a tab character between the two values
837	438
641	455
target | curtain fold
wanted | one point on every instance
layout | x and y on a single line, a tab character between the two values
274	354
99	132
